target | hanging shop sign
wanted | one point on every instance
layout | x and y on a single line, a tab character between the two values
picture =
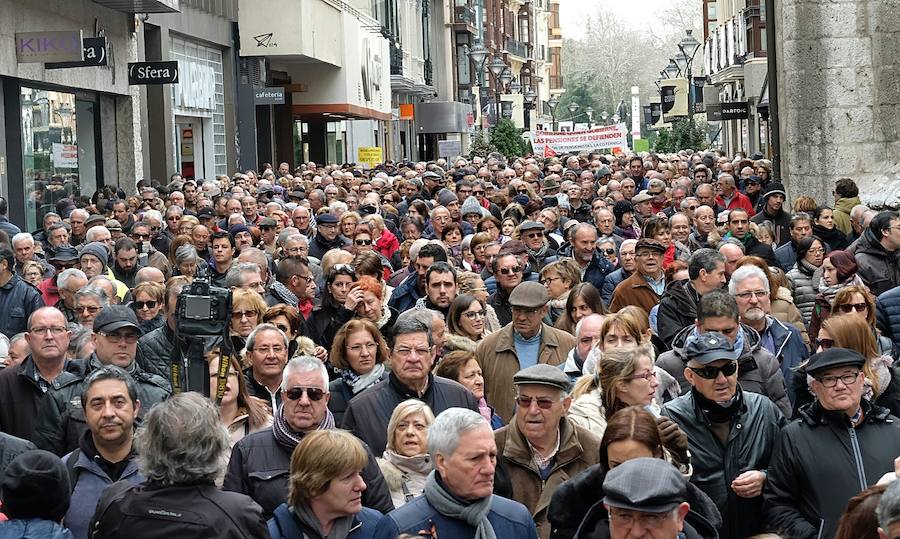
40	47
141	73
94	53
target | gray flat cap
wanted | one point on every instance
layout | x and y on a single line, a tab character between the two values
645	484
529	295
543	375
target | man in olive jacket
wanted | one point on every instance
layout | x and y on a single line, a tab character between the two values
541	448
524	342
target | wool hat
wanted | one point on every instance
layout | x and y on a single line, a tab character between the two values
470	205
446	196
645	484
36	485
774	188
234	230
97	250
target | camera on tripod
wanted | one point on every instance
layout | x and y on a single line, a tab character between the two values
203	310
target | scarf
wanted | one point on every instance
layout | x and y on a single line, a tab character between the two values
288	437
358	382
831	291
834	237
282	291
340	528
485	410
718	412
420	464
474	514
881	370
540	253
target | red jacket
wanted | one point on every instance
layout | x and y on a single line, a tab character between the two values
740	200
387	244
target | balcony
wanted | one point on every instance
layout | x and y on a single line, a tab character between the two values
464	19
556	82
141	6
396	60
518	49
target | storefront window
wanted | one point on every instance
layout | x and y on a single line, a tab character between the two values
50	151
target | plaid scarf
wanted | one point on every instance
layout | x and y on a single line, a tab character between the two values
288	437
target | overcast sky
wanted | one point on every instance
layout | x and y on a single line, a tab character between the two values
634	14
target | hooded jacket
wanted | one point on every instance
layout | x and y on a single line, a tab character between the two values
758	370
877	267
842	210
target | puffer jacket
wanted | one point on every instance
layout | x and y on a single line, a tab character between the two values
888	315
578	503
758	370
751	438
33	528
879	269
806	491
804	289
18	300
285	525
155	349
677	309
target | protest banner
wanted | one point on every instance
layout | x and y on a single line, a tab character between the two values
598	138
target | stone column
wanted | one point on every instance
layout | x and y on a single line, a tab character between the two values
839	92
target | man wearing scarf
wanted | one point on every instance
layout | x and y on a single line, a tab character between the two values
536	244
260	463
458	501
731	433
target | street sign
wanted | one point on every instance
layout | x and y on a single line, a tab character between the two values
268	96
152	73
94	55
40	47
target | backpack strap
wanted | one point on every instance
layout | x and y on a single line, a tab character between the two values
71	469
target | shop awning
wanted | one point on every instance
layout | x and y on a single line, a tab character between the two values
141	6
337	111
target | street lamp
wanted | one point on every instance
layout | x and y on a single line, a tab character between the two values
552	103
515	87
590	114
478	54
689	47
616	118
671	70
530	98
603	116
497	67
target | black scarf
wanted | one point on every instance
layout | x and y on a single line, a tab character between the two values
832	236
717	413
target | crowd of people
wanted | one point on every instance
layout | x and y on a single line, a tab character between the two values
583	346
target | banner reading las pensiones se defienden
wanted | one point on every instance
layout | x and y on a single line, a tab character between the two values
598	138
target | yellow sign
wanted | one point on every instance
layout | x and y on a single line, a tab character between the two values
370	155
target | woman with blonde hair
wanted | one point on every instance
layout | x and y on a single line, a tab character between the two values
406	463
347	223
857	300
325	490
247	311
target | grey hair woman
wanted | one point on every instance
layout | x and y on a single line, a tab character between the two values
88	302
187	260
406	463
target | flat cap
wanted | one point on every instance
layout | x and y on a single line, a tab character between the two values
543	375
705	348
530	225
297	193
113	224
513	247
603	171
643	196
95	218
647	243
66	253
831	358
432	175
326	219
645	484
205	213
267	222
529	295
113	317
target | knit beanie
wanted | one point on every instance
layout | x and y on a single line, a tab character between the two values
471	205
36	485
98	250
446	196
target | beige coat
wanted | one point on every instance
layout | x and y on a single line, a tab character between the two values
578	450
496	354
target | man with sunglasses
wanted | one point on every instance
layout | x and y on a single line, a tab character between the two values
327	237
541	447
61	423
537	245
841	444
731	432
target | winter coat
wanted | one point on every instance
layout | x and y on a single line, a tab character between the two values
260	468
33	528
587	412
677	309
21	396
341	395
496	354
387	244
758	370
789	350
578	450
786	256
820	462
324	322
842	210
751	438
499	301
318	246
453	342
10	448
597	270
783	309
368	413
805	289
887	397
834	239
508	518
738	201
151	511
634	290
781	222
879	269
576	508
285	525
18	300
611	282
60	423
888	315
155	350
405	476
405	294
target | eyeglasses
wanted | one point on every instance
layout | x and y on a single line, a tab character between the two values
522	191
130	337
238	315
850	307
549	280
752	294
314	394
54	330
654	194
692	208
647	376
478	193
831	381
89	309
825	344
816	251
277	349
510	271
711	373
138	305
472	315
362	242
533	235
607	252
140	236
406	352
544	403
357	348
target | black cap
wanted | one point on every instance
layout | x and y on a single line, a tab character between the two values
774	188
704	348
114	317
831	358
645	484
206	212
66	253
36	485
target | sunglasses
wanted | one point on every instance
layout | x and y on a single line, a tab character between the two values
544	403
850	307
534	235
363	242
607	252
144	304
711	373
825	344
510	271
296	393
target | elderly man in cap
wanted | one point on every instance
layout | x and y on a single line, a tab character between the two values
60	424
646	285
730	432
61	260
841	444
458	500
541	448
539	251
524	342
327	237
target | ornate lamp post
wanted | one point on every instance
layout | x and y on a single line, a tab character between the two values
590	114
552	103
530	98
497	67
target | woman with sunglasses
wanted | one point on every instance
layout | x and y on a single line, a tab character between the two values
339	303
583	300
247	311
406	463
558	278
148	304
857	300
882	384
359	353
839	271
465	323
810	254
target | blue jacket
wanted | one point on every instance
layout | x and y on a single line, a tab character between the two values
787	256
18	300
597	270
404	297
888	313
611	282
91	483
33	528
284	525
790	351
510	520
